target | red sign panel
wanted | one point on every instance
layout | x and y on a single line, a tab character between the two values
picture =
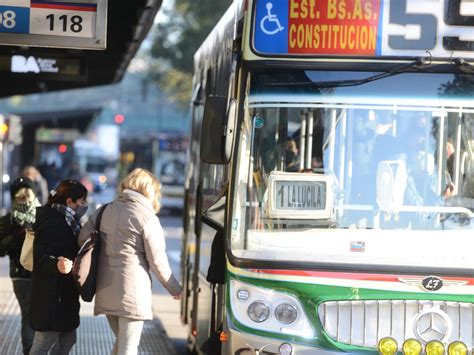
333	27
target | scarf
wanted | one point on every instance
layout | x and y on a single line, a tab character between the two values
70	216
24	213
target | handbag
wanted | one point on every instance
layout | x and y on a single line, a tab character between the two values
26	255
84	269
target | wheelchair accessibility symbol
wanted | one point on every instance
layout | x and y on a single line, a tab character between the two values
270	24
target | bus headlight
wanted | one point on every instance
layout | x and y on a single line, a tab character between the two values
258	311
457	348
286	313
412	347
388	346
434	347
268	310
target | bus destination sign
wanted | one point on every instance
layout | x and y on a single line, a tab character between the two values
367	28
78	24
299	195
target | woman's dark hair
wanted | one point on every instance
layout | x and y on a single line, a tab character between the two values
67	189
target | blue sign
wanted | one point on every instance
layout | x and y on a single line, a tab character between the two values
14	19
271	26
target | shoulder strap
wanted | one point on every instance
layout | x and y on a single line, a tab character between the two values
99	217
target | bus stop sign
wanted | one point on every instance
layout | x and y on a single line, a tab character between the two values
78	24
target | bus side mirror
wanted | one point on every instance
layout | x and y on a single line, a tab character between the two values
217	133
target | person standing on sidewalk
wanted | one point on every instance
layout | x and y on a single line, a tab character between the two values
13	227
40	183
132	244
54	298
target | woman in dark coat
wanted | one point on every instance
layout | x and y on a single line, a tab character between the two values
54	303
13	227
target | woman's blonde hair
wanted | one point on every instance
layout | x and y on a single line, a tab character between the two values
25	194
144	182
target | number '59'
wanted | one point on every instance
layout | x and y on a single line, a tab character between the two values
428	24
7	19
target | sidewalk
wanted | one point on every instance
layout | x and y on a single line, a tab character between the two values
166	311
94	336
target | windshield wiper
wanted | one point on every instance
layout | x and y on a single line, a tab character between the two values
418	63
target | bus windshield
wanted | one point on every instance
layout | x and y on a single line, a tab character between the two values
379	174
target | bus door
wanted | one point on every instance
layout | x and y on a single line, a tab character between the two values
189	255
205	309
203	188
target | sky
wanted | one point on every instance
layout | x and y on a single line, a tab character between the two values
165	5
141	61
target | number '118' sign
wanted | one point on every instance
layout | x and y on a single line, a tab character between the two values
63	20
66	23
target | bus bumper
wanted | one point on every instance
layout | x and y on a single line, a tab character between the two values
248	344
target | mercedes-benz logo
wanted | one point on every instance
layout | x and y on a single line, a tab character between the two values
432	324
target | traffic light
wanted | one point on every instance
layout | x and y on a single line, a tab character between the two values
62	148
3	128
119	118
11	129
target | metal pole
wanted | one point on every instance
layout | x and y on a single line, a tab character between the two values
309	140
302	139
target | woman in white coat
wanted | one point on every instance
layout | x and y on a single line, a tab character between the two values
132	244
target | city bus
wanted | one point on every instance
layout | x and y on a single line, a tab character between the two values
330	180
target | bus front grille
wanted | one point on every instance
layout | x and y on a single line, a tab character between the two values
364	323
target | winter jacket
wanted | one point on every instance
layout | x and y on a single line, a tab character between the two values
12	236
132	244
54	301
